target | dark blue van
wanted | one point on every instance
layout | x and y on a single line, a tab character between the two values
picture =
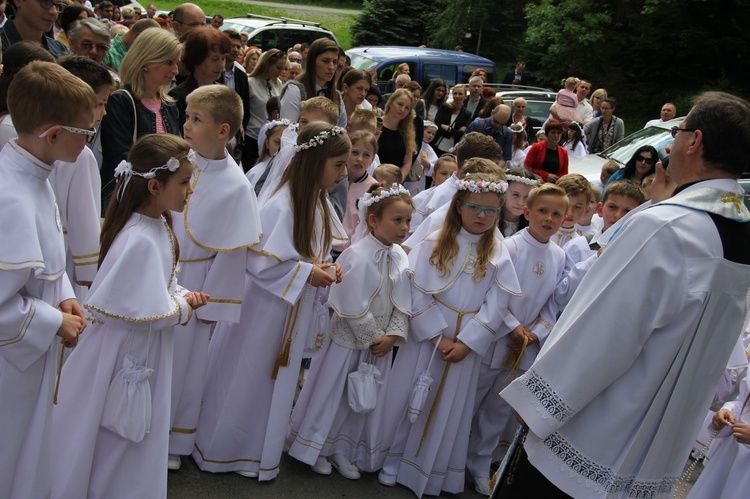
425	64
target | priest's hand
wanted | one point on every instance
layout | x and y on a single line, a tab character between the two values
71	327
319	278
722	418
456	352
741	433
662	187
382	345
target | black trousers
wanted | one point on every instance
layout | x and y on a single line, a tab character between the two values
529	483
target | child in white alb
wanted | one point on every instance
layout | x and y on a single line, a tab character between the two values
462	281
539	265
371	308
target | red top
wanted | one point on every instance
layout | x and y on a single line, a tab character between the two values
535	159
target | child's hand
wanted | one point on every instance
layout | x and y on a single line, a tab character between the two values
532	337
196	299
456	352
741	433
382	345
722	418
189	314
518	334
339	273
444	343
71	327
72	306
321	278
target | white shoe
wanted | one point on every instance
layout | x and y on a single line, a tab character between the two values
482	486
174	462
247	474
344	467
387	480
321	466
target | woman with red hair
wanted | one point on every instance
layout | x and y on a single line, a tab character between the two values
548	159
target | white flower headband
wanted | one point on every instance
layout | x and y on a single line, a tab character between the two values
274	123
517	127
522	180
480	186
368	199
126	169
320	138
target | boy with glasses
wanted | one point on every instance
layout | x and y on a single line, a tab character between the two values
53	113
33	19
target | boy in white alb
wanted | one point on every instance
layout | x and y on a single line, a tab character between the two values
219	224
577	188
539	265
78	186
620	198
591	222
32	269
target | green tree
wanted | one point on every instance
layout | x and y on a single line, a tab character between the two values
391	22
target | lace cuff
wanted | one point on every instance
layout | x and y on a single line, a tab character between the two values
398	326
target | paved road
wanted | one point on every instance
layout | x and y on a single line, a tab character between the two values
295	480
304	8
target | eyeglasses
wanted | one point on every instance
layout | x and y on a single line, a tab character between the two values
47	4
101	47
89	133
675	130
643	159
476	209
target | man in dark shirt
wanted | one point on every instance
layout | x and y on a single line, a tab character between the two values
33	19
518	76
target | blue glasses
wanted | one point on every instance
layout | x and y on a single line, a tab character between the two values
476	209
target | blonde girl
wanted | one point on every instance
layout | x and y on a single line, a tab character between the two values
254	365
461	284
397	141
371	308
105	437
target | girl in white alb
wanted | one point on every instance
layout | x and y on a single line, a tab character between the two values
371	308
462	281
253	366
111	427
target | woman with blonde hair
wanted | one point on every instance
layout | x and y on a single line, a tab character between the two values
397	142
252	56
596	101
142	105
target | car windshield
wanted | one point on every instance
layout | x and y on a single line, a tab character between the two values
361	62
654	136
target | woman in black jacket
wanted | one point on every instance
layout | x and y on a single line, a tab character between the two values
452	120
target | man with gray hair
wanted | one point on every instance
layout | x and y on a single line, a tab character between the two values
494	126
475	102
90	38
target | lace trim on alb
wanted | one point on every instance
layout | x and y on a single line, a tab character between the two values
547	397
604	476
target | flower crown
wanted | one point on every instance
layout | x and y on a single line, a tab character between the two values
480	186
521	180
125	169
274	123
517	127
320	138
368	199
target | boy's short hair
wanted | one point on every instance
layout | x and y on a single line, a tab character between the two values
477	145
626	188
392	172
479	165
575	184
412	85
222	103
596	194
44	93
610	167
365	136
546	189
273	105
323	105
90	71
362	119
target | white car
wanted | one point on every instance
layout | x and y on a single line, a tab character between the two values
658	136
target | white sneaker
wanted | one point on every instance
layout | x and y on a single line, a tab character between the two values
321	466
344	467
247	474
387	480
482	486
174	462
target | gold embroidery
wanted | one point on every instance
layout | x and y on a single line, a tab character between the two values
84	264
265	253
24	326
198	259
230	461
131	319
184	431
94	320
31	159
320	339
225	300
282	360
291	281
174	253
735	200
86	257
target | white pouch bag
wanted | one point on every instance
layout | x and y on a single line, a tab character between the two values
421	389
127	407
362	388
